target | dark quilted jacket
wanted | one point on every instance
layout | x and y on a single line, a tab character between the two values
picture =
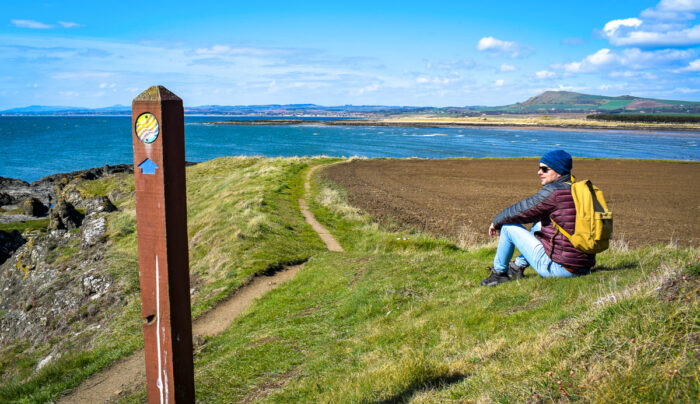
553	201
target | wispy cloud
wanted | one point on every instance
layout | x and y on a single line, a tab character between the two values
30	24
632	58
435	80
494	45
66	24
226	50
693	66
462	64
678	10
505	67
667	24
545	74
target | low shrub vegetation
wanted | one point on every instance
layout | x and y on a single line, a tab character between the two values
644	118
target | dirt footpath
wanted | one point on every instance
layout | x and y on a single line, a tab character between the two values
653	202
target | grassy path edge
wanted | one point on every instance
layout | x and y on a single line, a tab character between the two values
123	374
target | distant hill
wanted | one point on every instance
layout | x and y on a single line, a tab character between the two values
234	110
59	110
549	102
567	101
39	109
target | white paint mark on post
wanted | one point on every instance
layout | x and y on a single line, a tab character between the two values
159	382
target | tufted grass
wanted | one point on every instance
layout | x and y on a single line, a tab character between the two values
242	220
400	316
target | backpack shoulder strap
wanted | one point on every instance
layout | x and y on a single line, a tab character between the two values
556	226
559	229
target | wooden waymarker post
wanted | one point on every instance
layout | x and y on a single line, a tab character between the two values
158	127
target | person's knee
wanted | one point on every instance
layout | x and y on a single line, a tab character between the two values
510	227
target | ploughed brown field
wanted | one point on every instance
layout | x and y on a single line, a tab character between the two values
652	201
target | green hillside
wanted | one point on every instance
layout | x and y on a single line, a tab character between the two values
398	317
567	101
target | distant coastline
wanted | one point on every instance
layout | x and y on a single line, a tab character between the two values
486	122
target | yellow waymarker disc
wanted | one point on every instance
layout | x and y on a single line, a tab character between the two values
147	128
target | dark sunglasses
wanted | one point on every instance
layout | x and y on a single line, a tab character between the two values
544	169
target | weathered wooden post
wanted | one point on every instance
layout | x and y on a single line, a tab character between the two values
161	217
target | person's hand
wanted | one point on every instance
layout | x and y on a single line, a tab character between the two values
492	231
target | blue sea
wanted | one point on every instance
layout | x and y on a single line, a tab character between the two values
33	147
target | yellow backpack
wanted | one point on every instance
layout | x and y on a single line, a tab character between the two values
594	222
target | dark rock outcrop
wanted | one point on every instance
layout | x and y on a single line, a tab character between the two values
98	204
63	216
9	243
48	287
12	182
49	189
6	199
14	191
33	207
91	174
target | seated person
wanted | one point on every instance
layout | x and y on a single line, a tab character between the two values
543	248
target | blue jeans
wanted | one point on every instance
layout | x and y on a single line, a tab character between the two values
531	252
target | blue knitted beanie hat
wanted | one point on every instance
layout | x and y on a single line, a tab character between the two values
558	160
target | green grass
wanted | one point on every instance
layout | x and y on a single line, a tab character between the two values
614	104
399	316
242	220
26	226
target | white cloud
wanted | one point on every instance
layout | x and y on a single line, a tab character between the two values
492	44
438	80
634	74
214	50
505	67
30	24
368	89
223	50
673	10
617	87
499	83
66	24
545	74
684	37
567	88
631	58
612	26
680	5
667	24
693	66
590	62
451	65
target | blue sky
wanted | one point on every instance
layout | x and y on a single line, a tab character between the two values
437	53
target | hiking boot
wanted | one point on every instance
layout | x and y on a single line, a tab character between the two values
515	271
495	278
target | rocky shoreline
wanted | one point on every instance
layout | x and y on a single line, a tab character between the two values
52	276
35	199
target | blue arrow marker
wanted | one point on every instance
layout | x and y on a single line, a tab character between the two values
148	167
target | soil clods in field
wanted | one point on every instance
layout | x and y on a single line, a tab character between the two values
652	201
